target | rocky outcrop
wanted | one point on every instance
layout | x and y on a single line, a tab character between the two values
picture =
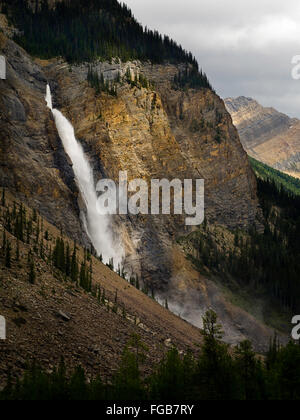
267	134
33	164
156	132
161	133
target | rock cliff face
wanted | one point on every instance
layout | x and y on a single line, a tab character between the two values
161	133
158	132
267	134
33	164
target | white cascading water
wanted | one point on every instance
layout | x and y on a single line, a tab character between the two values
98	227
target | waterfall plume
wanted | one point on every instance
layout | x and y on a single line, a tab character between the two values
97	226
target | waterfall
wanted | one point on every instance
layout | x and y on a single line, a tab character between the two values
97	226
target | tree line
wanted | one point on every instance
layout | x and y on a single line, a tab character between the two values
62	259
218	373
191	78
85	30
281	179
267	261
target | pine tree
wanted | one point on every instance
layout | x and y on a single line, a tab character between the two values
103	299
3	201
4	242
74	266
14	212
83	280
42	253
216	364
31	275
250	372
8	255
18	251
34	215
68	261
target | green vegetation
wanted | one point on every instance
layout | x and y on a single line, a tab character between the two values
89	30
85	30
265	262
54	254
99	84
191	78
28	229
281	180
216	374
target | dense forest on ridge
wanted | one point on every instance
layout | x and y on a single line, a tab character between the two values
85	30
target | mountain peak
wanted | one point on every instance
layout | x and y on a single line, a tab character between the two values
267	134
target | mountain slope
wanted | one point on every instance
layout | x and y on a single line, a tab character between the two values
32	160
152	133
282	180
266	134
56	317
160	122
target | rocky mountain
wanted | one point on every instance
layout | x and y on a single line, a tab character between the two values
157	129
266	134
32	160
49	316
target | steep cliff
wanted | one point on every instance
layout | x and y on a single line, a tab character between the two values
161	131
266	134
33	164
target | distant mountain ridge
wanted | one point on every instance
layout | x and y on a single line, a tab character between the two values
266	134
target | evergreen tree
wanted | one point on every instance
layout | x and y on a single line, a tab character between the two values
18	251
82	31
68	261
74	266
215	366
31	275
8	255
3	202
4	242
250	371
127	381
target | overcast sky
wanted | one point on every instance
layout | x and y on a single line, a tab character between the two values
245	46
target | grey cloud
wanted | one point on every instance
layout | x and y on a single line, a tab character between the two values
245	46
